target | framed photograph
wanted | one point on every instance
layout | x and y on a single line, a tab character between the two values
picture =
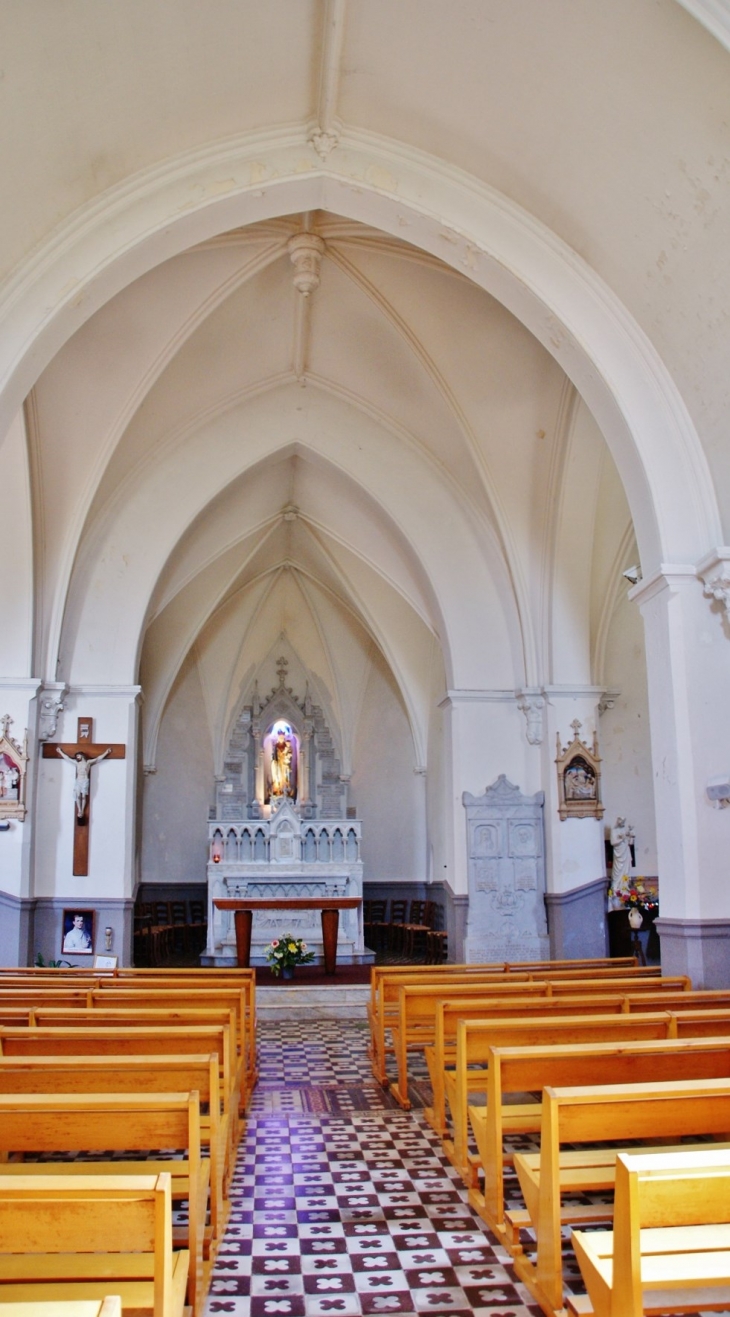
77	937
105	962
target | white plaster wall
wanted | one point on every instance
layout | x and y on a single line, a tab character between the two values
388	795
16	577
177	796
628	785
112	801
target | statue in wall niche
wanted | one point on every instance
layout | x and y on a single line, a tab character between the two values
580	782
282	766
622	836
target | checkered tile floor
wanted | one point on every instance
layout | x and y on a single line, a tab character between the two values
348	1211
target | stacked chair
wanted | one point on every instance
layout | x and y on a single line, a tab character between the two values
163	929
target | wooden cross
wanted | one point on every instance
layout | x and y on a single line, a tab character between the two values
84	753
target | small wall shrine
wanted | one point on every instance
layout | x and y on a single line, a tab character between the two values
281	827
13	763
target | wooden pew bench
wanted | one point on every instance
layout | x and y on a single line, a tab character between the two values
497	971
511	1026
695	1012
141	1075
111	1306
77	1237
446	1057
413	1023
651	1111
386	1016
477	1038
170	993
36	1124
135	1017
196	986
88	1039
669	1250
513	1070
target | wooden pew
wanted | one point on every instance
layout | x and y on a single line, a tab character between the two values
140	1075
154	1040
235	996
37	1124
237	990
384	1014
139	1017
477	1038
414	1023
498	971
521	1069
694	1014
76	1237
652	1111
111	1306
669	1250
502	967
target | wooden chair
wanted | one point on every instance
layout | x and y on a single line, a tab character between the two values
198	924
437	939
374	923
417	928
394	926
180	926
669	1250
76	1237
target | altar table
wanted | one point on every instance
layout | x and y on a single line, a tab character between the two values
330	906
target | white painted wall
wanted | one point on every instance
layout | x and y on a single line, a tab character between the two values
628	784
178	794
388	794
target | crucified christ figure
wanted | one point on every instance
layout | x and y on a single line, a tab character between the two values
83	774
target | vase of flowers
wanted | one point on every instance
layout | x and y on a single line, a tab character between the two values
285	953
633	896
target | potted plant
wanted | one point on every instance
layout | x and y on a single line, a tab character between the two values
285	953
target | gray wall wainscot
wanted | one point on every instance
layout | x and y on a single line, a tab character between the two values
697	947
577	922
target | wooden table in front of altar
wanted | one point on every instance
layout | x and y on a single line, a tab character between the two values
330	907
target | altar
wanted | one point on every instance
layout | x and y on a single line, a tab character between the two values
283	839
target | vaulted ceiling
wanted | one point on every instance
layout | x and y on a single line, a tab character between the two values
390	468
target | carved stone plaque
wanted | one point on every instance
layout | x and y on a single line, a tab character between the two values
506	859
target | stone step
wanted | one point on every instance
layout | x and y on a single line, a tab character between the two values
292	1001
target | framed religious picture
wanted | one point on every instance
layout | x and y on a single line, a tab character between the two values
105	962
77	937
579	778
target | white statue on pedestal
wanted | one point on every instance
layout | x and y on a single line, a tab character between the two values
622	836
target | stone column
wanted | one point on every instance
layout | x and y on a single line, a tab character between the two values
575	851
688	666
17	841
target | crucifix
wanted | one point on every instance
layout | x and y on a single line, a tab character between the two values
83	755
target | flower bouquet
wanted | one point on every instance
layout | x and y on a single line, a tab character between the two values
286	952
633	897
